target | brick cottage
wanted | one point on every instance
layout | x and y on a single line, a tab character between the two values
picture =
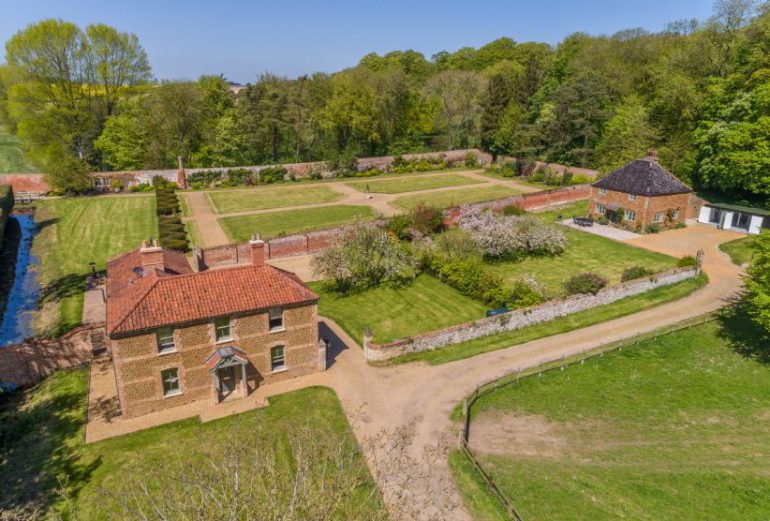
177	335
640	194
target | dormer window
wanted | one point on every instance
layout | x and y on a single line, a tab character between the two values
165	337
223	329
275	319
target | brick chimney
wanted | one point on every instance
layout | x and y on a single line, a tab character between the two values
152	255
652	154
181	176
257	249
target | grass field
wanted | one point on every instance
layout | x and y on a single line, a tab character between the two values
618	309
585	252
448	198
273	197
413	184
73	233
41	441
673	428
11	155
393	313
739	250
270	224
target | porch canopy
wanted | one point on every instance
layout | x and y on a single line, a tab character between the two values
226	357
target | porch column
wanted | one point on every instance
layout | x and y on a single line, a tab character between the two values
244	382
215	386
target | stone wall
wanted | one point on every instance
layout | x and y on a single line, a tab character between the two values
522	317
30	362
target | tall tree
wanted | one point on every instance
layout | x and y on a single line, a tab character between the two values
626	136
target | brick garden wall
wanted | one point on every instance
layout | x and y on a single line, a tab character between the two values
30	362
522	317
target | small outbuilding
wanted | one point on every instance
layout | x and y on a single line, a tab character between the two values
639	195
735	217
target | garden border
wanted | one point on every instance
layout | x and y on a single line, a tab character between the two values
546	366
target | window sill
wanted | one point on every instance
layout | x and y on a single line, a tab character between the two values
172	394
278	329
280	370
224	340
167	352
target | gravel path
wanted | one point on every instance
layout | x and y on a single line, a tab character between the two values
212	233
423	396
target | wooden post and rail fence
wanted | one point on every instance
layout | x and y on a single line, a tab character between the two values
545	367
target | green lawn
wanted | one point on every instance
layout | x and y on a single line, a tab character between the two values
41	442
76	231
448	198
739	250
270	224
584	252
394	313
673	428
621	308
273	197
413	184
11	155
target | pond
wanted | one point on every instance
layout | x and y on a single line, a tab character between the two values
16	324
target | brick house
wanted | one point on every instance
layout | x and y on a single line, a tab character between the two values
177	335
640	194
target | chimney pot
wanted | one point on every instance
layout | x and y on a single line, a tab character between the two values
652	154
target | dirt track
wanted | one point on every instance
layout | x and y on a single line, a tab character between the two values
423	396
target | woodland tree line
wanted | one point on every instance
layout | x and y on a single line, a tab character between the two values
699	92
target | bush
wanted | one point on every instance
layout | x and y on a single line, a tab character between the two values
206	178
271	174
141	187
525	293
580	180
369	173
513	209
426	219
471	277
471	161
635	272
583	283
171	231
239	176
315	175
653	228
525	167
400	227
566	178
687	261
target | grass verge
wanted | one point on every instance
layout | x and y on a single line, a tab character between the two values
397	186
621	308
273	197
449	198
739	250
395	312
41	443
72	232
272	224
672	428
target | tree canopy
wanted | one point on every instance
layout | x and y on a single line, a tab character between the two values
698	91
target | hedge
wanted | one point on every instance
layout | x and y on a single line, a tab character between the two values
171	231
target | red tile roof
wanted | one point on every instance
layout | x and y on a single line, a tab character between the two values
139	301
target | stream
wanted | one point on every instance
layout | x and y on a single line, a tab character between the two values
16	324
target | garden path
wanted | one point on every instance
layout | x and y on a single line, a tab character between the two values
422	397
212	233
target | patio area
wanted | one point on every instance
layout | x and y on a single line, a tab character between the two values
603	230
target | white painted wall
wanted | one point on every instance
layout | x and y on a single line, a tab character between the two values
705	213
755	224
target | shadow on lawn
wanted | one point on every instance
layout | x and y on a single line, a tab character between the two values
38	451
743	335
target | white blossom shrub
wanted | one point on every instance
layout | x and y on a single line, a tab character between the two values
363	256
504	235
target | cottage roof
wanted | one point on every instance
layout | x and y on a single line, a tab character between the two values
146	298
643	177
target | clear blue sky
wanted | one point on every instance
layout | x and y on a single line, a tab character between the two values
241	39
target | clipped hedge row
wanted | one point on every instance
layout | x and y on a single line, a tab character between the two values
171	231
